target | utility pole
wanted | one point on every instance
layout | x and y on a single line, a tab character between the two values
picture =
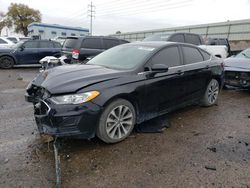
91	12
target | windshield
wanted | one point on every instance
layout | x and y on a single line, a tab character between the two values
244	54
123	57
161	37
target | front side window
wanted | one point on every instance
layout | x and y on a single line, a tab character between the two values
206	56
168	56
191	55
30	44
92	43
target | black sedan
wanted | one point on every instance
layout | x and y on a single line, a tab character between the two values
28	53
237	70
121	87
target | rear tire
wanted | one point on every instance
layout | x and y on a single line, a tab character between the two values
211	95
6	62
117	121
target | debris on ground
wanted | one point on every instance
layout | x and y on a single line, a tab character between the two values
6	160
210	167
19	78
157	125
213	149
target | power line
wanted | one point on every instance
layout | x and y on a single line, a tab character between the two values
91	13
151	8
127	4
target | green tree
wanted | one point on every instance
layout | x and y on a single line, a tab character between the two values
3	21
20	16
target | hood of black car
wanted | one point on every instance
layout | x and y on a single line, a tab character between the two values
237	64
70	78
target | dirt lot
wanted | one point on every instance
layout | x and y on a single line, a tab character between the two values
205	147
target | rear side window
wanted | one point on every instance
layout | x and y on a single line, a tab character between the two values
191	55
168	56
206	56
30	44
192	39
177	38
70	43
92	43
46	44
109	43
2	41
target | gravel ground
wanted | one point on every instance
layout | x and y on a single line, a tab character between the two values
204	147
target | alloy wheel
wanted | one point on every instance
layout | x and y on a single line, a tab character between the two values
119	122
213	91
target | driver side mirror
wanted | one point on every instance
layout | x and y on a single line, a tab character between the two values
159	68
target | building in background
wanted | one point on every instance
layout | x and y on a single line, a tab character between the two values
51	31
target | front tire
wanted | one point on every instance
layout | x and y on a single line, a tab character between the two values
211	95
6	62
117	121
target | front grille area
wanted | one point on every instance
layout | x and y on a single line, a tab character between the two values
41	108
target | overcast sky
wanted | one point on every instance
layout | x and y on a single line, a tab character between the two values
136	15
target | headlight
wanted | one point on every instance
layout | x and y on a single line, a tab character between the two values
75	98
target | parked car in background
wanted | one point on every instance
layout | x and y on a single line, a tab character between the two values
5	43
191	38
77	49
219	41
28	53
60	40
17	39
237	70
122	86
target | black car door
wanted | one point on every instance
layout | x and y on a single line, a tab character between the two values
27	53
166	91
46	48
197	71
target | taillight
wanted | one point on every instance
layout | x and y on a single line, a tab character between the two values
75	53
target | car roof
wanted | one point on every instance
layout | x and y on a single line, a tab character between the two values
82	37
157	44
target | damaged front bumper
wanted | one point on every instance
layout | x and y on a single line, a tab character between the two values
65	120
237	79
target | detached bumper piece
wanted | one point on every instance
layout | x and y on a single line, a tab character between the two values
237	79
